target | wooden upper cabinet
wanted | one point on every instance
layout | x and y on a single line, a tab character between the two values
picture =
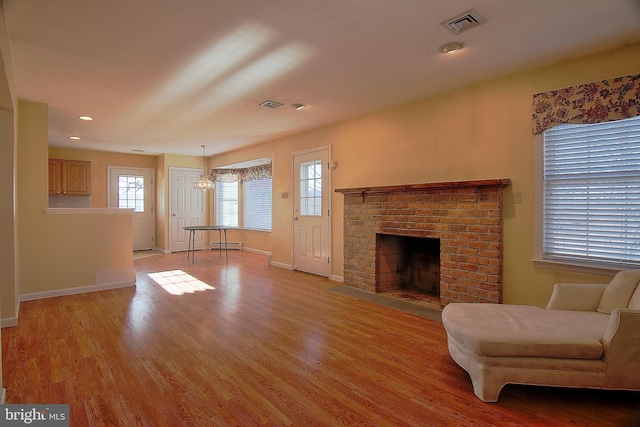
55	176
69	177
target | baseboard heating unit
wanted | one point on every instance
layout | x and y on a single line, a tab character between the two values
230	245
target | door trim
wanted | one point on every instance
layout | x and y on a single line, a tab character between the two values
294	181
152	193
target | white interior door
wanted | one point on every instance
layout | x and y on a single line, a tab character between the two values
132	188
185	206
311	210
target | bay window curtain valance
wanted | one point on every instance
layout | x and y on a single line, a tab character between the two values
596	102
242	175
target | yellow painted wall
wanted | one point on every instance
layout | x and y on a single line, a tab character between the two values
476	132
8	278
100	160
61	252
8	291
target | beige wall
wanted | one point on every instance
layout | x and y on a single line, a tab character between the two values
100	160
8	291
62	252
8	279
476	132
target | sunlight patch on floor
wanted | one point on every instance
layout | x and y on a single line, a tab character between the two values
177	282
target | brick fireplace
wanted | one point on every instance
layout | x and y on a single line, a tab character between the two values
465	216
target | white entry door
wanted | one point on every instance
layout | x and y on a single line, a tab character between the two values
185	206
132	188
311	210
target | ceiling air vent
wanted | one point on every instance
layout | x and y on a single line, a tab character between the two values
463	22
271	104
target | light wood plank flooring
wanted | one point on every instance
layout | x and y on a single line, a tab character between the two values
240	343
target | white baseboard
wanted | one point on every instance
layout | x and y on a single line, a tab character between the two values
6	322
280	265
257	251
337	278
73	291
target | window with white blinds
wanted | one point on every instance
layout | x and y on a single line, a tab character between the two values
591	200
256	204
226	195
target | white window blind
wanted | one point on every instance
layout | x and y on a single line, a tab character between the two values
256	204
226	194
591	198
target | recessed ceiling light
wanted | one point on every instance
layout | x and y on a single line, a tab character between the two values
451	47
298	106
74	137
85	118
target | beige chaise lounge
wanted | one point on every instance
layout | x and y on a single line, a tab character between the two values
588	336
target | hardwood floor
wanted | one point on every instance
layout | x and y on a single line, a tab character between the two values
245	344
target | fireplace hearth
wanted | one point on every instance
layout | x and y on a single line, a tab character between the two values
463	217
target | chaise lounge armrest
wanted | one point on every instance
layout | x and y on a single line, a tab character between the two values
621	344
576	296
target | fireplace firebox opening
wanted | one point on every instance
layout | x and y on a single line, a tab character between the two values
408	264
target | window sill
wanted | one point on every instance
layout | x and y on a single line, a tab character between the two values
593	268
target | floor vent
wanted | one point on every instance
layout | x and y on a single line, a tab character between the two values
463	22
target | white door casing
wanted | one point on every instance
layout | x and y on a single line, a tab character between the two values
311	211
185	208
132	188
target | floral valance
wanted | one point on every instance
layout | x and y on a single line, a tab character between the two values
595	102
242	175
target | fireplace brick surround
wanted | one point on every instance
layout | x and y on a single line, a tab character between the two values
465	215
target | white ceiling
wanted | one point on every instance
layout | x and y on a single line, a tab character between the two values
165	76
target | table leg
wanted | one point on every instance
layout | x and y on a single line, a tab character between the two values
192	246
226	248
189	247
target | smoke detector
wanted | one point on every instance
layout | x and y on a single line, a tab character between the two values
464	21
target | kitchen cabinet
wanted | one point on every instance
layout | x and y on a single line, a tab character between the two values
69	177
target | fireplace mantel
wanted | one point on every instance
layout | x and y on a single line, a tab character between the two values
497	182
466	217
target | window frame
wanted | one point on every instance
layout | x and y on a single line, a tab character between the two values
589	267
241	176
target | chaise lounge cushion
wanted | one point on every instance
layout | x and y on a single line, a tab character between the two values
517	330
619	291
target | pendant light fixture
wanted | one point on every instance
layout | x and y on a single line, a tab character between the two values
204	183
